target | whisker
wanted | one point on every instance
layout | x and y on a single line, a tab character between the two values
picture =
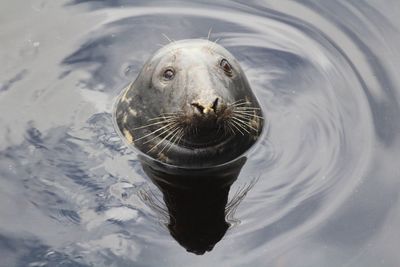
239	123
238	101
176	141
248	115
151	124
240	105
243	116
160	134
246	118
171	113
245	123
248	111
209	33
162	140
181	136
166	37
177	138
248	122
230	128
232	123
159	129
247	108
162	118
174	132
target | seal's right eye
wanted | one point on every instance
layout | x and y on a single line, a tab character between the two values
168	74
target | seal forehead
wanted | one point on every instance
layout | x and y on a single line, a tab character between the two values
193	47
190	57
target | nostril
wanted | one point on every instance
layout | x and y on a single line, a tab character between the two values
215	104
199	107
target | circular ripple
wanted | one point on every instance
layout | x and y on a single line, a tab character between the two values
320	126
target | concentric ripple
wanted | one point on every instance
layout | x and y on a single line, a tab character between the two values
320	125
324	72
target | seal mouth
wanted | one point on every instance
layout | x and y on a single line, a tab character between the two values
204	132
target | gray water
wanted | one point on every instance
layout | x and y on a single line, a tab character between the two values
325	73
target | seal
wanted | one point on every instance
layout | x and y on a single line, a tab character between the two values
190	106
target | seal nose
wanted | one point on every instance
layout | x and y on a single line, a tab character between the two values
206	109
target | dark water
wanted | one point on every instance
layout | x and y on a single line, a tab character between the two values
325	72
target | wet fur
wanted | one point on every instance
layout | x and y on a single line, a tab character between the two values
159	118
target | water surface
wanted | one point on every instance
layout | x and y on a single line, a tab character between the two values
325	73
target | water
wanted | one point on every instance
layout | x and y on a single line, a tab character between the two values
325	73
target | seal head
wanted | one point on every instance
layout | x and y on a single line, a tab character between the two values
190	106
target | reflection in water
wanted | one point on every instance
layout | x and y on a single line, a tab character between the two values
197	202
325	74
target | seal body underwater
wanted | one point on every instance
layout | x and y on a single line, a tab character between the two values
190	106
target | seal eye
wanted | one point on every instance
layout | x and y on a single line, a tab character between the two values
226	67
169	74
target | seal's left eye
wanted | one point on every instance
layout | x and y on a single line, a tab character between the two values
169	74
226	67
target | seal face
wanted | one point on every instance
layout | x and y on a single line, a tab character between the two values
190	106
